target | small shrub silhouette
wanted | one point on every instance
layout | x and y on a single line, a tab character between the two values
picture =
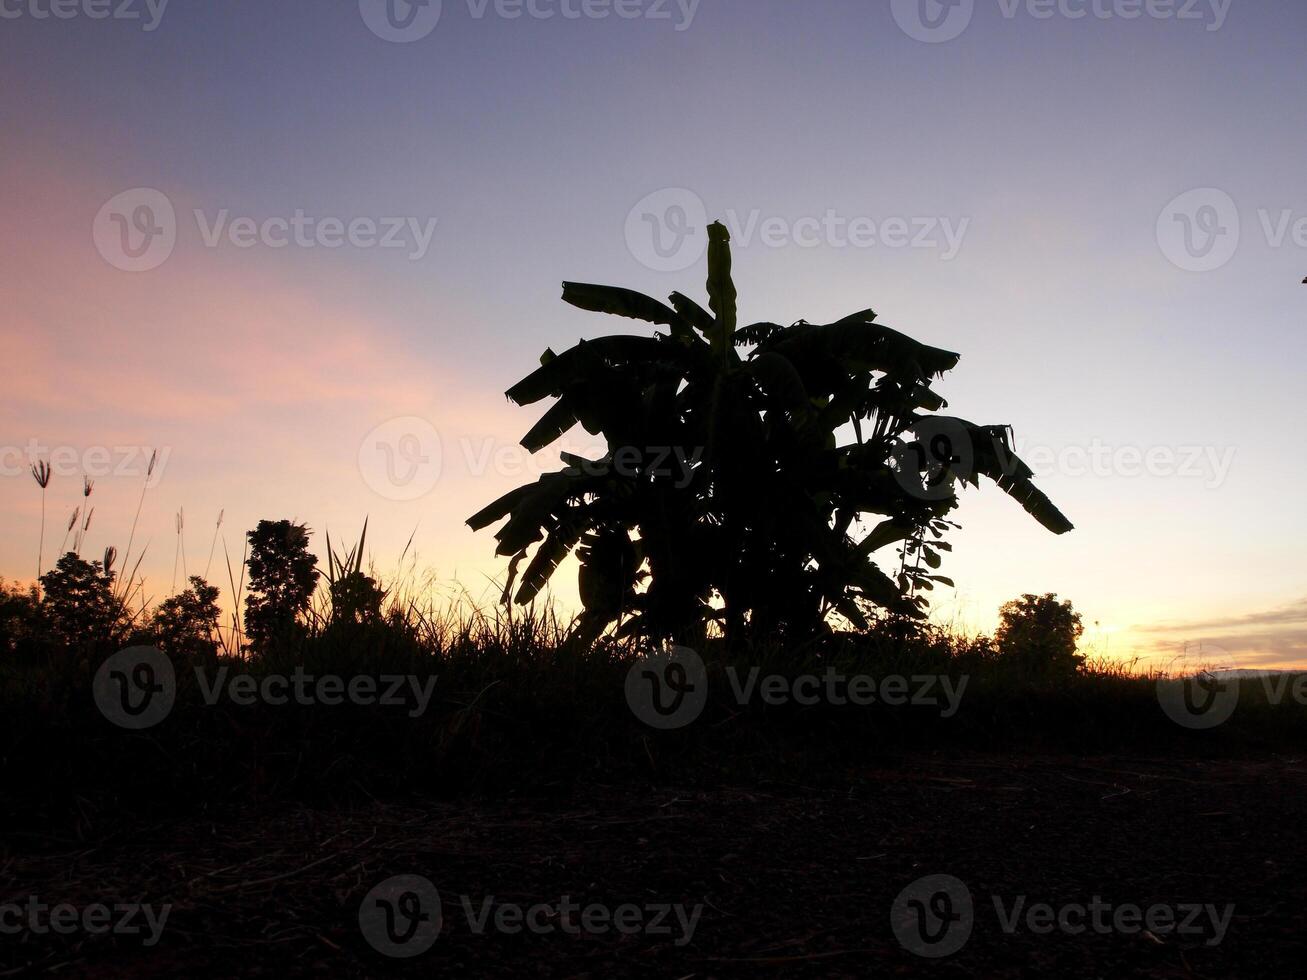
79	605
282	577
1038	635
23	628
186	625
355	596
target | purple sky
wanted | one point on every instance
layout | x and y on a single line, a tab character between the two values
1013	193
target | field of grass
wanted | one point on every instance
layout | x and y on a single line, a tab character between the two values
259	785
498	706
784	796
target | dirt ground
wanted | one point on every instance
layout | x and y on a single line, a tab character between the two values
768	880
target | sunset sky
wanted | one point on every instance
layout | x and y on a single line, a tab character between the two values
1020	193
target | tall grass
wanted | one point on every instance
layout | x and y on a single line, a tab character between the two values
41	474
131	536
521	706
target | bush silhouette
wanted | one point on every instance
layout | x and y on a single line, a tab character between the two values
356	598
727	499
186	625
283	576
1038	634
22	620
79	606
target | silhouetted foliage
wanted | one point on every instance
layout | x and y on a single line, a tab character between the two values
22	620
1039	634
356	598
186	625
79	605
726	495
283	576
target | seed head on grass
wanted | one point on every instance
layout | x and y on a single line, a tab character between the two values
72	523
41	474
81	535
213	543
180	552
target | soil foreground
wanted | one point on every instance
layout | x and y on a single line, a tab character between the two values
766	880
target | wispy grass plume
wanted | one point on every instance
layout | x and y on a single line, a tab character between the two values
41	474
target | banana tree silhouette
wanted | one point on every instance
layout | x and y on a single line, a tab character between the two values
726	496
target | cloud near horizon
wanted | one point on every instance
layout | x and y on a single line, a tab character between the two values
1272	637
